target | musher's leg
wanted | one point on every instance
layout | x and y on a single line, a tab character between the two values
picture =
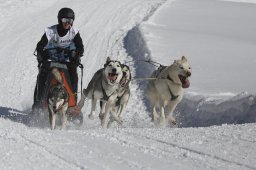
72	69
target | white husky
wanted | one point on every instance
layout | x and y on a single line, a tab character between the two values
166	90
103	86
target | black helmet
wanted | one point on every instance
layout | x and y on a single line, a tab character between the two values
66	13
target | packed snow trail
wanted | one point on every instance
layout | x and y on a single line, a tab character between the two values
127	148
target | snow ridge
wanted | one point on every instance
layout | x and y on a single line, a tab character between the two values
198	110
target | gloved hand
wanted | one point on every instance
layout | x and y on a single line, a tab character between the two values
42	56
76	58
39	57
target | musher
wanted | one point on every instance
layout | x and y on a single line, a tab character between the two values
61	35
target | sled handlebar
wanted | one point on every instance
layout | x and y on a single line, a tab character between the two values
60	49
61	62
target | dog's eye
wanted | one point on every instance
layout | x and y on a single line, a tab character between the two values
181	67
118	66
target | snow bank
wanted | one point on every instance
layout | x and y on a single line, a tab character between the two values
197	110
242	1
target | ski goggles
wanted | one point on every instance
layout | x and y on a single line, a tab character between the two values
67	20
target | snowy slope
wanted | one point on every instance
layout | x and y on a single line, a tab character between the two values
114	28
218	37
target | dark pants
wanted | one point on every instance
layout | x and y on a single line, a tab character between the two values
42	78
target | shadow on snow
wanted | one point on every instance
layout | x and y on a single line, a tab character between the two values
14	115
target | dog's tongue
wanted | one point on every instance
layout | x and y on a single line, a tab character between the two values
185	83
112	77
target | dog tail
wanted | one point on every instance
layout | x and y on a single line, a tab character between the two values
57	75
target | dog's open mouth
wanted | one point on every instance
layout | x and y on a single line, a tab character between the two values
123	81
185	82
112	77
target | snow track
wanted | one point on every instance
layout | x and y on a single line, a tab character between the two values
60	159
190	151
126	148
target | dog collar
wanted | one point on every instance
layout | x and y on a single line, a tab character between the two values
173	97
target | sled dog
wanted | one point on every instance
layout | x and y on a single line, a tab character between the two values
166	90
57	101
103	86
123	95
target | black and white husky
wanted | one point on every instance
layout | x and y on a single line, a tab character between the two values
122	97
103	86
57	101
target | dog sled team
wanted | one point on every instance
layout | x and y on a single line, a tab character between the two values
58	54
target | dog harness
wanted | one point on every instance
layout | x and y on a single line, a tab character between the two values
105	96
160	69
173	97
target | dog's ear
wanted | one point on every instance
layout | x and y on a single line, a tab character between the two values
183	58
124	65
128	67
120	64
107	61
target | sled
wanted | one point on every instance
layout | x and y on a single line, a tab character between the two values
59	58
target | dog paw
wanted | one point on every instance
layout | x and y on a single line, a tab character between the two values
173	121
155	117
101	116
155	120
91	116
162	124
120	122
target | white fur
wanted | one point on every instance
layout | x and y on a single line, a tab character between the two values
166	91
62	112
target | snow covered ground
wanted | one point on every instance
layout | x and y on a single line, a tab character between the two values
217	37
